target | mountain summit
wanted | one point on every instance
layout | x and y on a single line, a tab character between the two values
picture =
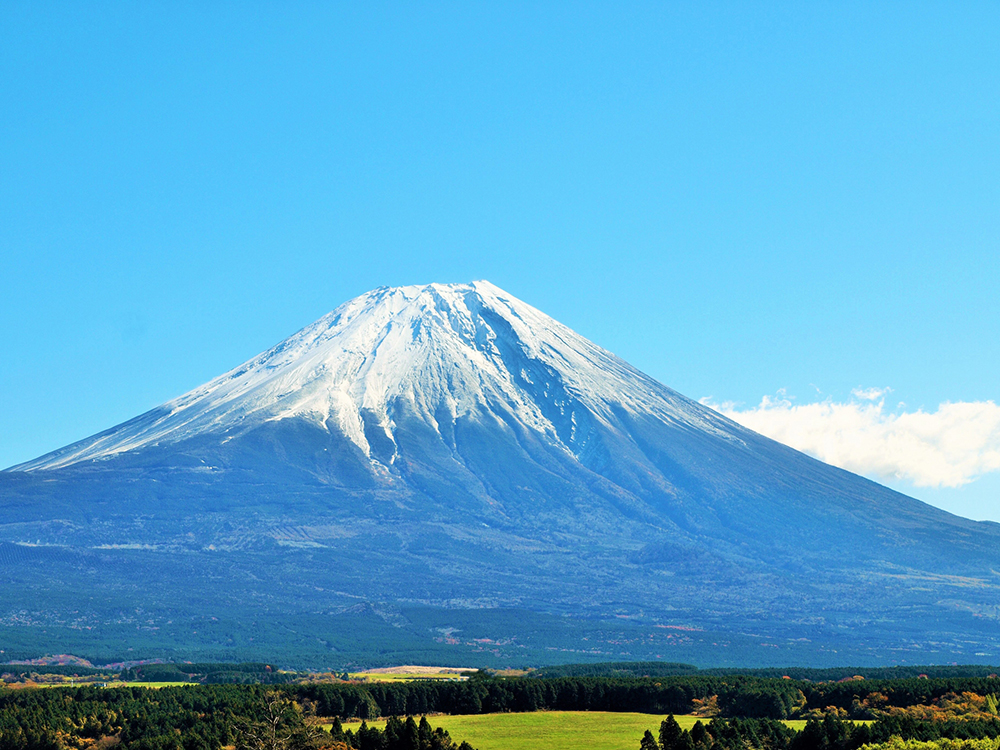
437	353
469	471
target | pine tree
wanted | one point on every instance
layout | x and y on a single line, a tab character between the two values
700	736
410	738
670	734
648	742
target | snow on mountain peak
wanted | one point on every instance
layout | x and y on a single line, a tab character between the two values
438	351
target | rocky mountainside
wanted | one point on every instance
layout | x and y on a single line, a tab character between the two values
461	474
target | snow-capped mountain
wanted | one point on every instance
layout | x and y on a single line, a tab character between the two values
437	353
452	449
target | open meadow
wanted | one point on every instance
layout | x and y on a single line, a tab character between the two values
567	730
84	683
410	673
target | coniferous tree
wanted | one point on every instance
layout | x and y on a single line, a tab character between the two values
700	736
648	742
671	734
425	732
410	737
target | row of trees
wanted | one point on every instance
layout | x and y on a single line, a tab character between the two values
397	735
727	696
735	697
721	694
191	718
732	696
832	733
813	674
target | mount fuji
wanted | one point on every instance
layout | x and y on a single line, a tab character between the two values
443	472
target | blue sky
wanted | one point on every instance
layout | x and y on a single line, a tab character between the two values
799	202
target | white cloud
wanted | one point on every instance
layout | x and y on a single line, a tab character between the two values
949	447
870	394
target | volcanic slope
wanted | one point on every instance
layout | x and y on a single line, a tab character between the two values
456	468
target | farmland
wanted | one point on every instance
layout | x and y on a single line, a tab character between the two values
410	673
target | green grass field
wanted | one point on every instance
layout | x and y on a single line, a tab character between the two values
568	730
410	673
401	677
155	685
105	683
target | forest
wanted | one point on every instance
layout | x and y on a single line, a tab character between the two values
830	733
734	711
